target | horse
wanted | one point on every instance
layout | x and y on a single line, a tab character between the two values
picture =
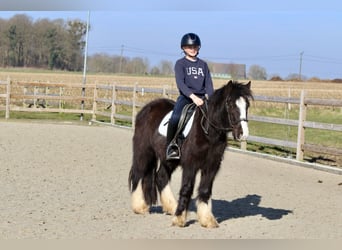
202	150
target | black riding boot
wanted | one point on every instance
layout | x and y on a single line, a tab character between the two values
172	150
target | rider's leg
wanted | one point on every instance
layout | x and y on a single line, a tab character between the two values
172	151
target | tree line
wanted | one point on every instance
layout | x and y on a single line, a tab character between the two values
59	44
56	44
105	63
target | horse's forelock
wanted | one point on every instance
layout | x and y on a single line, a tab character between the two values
237	89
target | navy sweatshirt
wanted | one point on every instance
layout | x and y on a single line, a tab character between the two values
193	77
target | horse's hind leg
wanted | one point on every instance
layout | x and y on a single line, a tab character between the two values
138	202
167	198
142	182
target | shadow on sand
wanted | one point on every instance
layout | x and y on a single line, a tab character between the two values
239	208
243	207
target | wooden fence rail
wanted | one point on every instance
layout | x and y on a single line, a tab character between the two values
301	123
107	103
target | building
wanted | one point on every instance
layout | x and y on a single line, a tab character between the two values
228	70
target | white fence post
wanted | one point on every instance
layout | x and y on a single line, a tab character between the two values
8	98
94	103
113	110
301	128
243	145
134	106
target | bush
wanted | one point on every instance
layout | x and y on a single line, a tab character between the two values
276	78
337	80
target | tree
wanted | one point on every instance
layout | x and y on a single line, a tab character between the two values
166	67
18	35
257	72
74	44
12	39
155	71
103	63
44	43
137	65
295	77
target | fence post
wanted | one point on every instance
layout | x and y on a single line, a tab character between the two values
134	109
8	96
35	90
61	103
289	95
25	92
164	91
47	93
113	111
301	128
94	103
243	145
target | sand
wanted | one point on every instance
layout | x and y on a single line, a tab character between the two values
69	181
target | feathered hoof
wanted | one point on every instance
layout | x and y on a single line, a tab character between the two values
179	220
210	222
138	202
141	210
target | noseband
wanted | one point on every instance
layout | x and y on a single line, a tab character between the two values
205	117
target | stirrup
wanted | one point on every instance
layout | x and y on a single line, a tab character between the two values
172	152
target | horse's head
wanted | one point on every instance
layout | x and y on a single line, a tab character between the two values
237	104
228	108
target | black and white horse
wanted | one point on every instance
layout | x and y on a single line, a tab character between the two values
202	149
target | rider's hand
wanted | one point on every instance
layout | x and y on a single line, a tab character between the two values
198	101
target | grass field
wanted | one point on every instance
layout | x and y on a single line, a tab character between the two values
321	90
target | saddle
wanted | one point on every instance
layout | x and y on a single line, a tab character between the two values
184	123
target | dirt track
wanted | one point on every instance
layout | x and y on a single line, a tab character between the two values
63	181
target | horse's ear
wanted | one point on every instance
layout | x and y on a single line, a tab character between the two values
229	86
249	85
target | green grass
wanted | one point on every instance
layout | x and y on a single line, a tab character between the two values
285	132
45	116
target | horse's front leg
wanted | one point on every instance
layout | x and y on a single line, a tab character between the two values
167	198
187	188
204	206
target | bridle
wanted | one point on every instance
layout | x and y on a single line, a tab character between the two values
206	117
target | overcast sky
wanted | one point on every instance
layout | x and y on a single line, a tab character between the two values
246	32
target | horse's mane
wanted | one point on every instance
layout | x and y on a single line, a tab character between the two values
234	90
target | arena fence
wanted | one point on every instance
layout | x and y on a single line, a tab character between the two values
121	103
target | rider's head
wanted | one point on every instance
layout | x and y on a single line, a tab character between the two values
191	41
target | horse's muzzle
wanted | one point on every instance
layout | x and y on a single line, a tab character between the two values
241	132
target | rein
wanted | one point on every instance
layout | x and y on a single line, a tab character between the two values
205	116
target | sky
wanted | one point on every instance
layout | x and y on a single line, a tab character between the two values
280	38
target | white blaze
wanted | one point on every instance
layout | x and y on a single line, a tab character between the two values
242	105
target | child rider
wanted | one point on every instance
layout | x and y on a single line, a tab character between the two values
193	81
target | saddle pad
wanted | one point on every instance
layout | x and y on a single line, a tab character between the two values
162	129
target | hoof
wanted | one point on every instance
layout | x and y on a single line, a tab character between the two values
210	223
143	209
138	203
179	220
205	216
